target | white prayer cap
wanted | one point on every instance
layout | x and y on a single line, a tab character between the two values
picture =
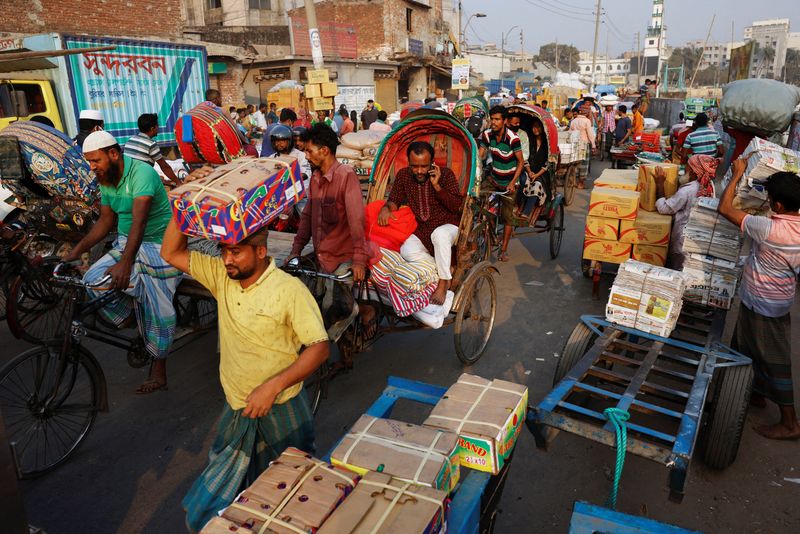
97	140
92	114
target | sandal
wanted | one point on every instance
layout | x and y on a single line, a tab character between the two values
151	385
503	257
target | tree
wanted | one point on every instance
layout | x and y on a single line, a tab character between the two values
793	66
568	56
686	56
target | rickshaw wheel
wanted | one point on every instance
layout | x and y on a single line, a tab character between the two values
556	231
578	342
569	184
36	308
475	317
316	386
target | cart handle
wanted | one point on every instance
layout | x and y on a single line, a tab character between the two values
75	281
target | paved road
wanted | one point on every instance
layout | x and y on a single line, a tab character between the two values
142	456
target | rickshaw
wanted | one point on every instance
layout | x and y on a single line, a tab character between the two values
475	302
547	217
473	113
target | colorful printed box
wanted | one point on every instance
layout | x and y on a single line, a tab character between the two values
650	254
238	198
602	228
606	251
627	179
613	203
487	415
649	228
413	453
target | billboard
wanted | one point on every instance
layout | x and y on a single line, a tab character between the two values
460	73
741	62
137	77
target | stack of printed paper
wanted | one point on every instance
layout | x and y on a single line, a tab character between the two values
709	233
764	159
710	281
646	297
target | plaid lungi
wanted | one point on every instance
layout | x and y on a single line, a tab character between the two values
766	340
152	286
242	450
408	285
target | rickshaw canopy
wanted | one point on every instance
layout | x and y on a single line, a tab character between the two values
527	113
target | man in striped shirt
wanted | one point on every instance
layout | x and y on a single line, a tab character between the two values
769	284
143	147
508	162
703	139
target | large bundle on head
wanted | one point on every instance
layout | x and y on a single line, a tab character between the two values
52	165
763	107
206	135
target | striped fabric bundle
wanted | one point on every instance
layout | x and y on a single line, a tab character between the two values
408	286
206	135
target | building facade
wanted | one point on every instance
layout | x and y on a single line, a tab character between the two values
606	70
772	38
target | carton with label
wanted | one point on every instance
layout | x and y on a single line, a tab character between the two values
649	228
602	228
647	183
650	254
606	251
487	415
627	179
613	203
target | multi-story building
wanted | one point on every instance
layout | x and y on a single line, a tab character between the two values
655	50
606	70
772	37
714	54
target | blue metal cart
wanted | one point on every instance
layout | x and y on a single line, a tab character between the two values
682	392
473	508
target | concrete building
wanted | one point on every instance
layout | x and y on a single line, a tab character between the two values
793	41
714	54
606	70
772	37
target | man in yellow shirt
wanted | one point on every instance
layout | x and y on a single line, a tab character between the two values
271	339
638	121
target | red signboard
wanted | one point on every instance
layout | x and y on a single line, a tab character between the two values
338	40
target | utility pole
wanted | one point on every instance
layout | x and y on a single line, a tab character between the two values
522	49
608	58
313	35
596	35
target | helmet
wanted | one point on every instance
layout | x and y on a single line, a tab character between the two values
534	188
281	132
299	131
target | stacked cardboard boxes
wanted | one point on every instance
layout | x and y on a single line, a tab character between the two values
319	91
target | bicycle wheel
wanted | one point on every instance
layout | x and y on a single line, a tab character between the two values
570	180
49	403
475	317
36	308
556	231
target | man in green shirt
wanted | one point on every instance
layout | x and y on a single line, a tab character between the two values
133	198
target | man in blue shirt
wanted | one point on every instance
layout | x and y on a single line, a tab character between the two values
288	116
703	139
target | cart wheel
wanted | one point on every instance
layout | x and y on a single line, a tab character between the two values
36	309
138	356
586	268
578	342
49	405
483	243
570	180
556	231
316	386
726	418
475	317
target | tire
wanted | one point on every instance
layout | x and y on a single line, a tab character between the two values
61	422
586	268
36	309
473	327
316	387
570	179
578	342
556	231
727	415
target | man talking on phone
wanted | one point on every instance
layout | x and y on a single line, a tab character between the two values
433	194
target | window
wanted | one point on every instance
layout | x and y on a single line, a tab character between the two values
651	42
21	100
409	11
213	4
598	68
588	68
261	4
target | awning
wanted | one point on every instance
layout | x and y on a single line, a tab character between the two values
25	64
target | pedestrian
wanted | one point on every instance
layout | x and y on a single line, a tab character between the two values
338	118
272	116
703	139
583	124
287	118
243	123
271	338
369	115
567	117
143	147
380	123
354	118
233	113
347	123
608	125
623	130
769	286
545	106
300	136
90	120
323	118
700	172
260	117
637	124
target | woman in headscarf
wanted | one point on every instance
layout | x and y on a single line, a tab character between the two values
701	170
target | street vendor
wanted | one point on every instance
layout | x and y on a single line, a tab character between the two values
700	171
435	198
133	199
769	286
507	165
271	338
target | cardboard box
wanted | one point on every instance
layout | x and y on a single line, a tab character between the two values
220	525
312	90
602	228
320	103
295	490
412	453
607	251
237	199
487	415
330	89
627	179
374	507
650	254
649	228
317	76
613	203
647	184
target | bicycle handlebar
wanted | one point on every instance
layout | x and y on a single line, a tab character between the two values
75	281
346	277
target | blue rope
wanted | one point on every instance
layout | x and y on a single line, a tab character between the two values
617	418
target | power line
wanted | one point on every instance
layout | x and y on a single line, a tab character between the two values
614	26
559	13
561	5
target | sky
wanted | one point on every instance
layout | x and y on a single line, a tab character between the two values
572	21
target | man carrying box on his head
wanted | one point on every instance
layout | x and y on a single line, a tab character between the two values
271	339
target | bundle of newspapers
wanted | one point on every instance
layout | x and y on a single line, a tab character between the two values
764	159
710	281
646	297
709	233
